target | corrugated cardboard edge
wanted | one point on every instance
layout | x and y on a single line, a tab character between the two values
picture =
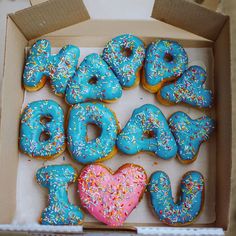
49	16
35	2
209	23
36	228
141	230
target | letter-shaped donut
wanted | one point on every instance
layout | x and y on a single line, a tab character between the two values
125	54
42	119
97	149
165	61
190	203
40	65
189	89
93	80
147	130
190	134
59	211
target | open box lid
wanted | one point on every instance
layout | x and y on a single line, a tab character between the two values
52	15
49	16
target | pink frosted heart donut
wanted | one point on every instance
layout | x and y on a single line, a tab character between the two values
111	197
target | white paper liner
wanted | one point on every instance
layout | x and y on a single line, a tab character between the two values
32	198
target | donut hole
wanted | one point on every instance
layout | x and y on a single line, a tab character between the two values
149	134
45	119
44	136
168	57
93	80
93	131
126	52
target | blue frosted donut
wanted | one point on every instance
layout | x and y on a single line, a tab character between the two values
147	130
165	61
125	55
93	80
190	134
59	211
40	65
190	203
189	89
39	118
97	149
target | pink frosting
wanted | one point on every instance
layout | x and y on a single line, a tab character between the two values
110	198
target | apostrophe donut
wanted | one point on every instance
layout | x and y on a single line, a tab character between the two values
190	134
93	80
111	197
42	130
190	203
125	55
100	148
147	130
59	211
165	60
189	89
40	65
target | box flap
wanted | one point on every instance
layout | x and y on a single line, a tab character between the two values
49	16
189	16
94	33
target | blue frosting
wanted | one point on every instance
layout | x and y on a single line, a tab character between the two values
32	126
190	202
59	68
100	148
147	130
189	88
165	59
125	54
59	211
82	87
189	134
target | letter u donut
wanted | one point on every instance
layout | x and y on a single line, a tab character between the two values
190	203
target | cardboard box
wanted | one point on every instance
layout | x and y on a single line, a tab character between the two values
64	22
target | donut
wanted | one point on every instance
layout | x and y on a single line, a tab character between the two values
42	65
190	203
188	89
190	134
93	80
42	132
147	130
125	55
111	197
165	60
59	211
98	149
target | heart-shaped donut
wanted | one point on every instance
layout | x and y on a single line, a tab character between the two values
111	197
